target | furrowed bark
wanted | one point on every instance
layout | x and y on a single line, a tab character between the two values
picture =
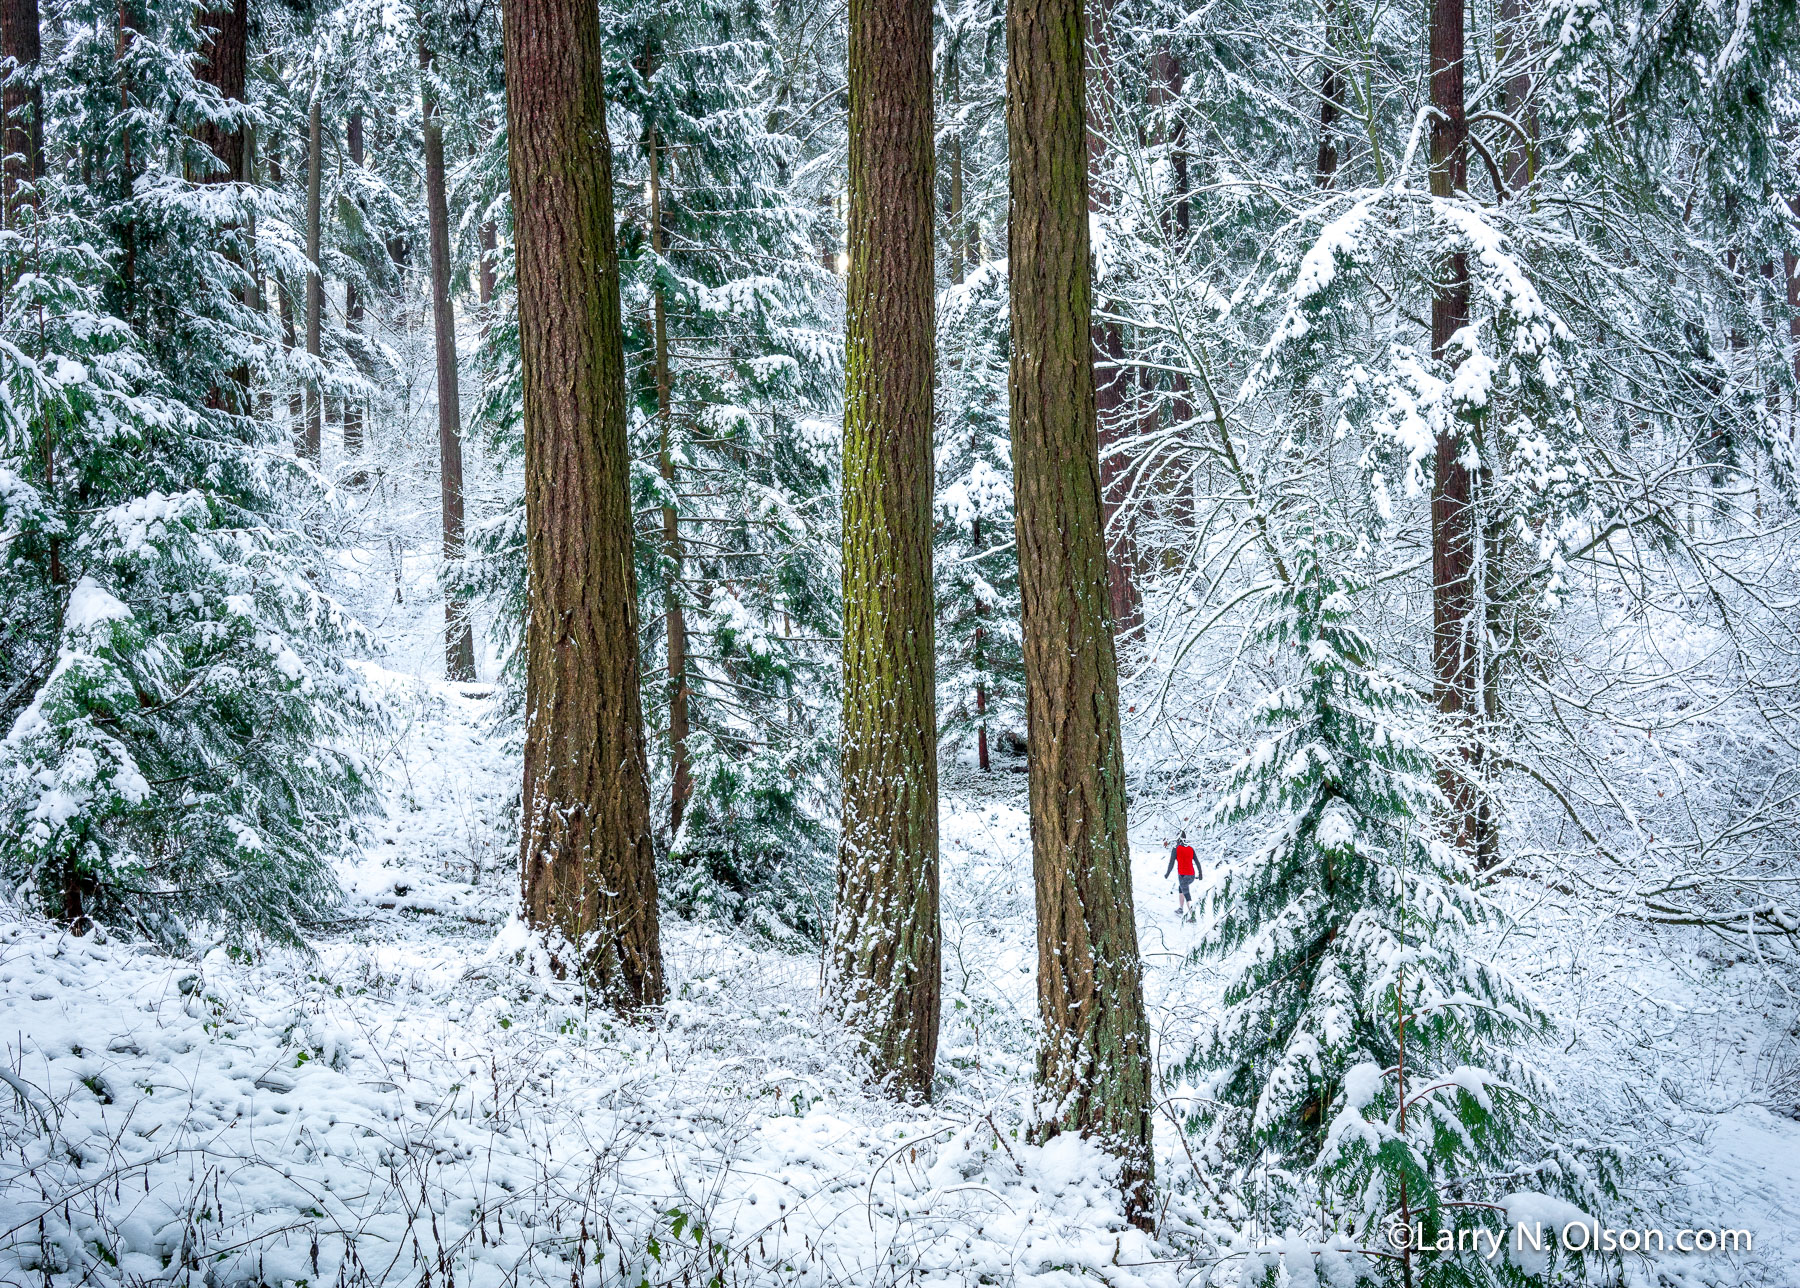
884	966
587	867
315	282
459	637
1094	1065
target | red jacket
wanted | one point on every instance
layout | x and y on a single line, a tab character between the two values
1182	861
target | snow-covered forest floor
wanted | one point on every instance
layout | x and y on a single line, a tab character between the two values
413	1105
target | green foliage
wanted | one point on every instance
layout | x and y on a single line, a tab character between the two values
179	717
1366	1058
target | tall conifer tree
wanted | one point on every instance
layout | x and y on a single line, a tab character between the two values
588	869
885	949
1094	1064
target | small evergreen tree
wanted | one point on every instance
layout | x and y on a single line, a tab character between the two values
981	671
179	717
1365	1059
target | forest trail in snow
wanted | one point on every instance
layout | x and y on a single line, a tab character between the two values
412	1105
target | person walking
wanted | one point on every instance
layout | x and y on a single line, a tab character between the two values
1185	866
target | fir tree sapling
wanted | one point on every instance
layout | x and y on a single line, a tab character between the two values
178	755
1365	1066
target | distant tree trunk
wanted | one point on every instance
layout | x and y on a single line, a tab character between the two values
1112	383
885	947
22	104
353	305
1792	266
963	256
459	638
22	145
486	276
1515	98
223	63
1331	104
588	869
1094	1064
284	307
681	776
1456	619
1165	93
315	283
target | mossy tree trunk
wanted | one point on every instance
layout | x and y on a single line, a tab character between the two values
588	870
884	955
459	637
1094	1065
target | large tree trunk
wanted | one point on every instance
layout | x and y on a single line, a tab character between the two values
681	774
459	638
1112	389
353	305
315	284
1094	1064
588	869
1456	619
885	948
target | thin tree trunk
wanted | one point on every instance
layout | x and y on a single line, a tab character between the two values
315	283
1094	1064
1112	386
223	62
22	144
284	304
1515	98
885	951
1456	619
487	274
459	637
353	305
961	259
1331	103
1166	90
681	776
588	869
1792	265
